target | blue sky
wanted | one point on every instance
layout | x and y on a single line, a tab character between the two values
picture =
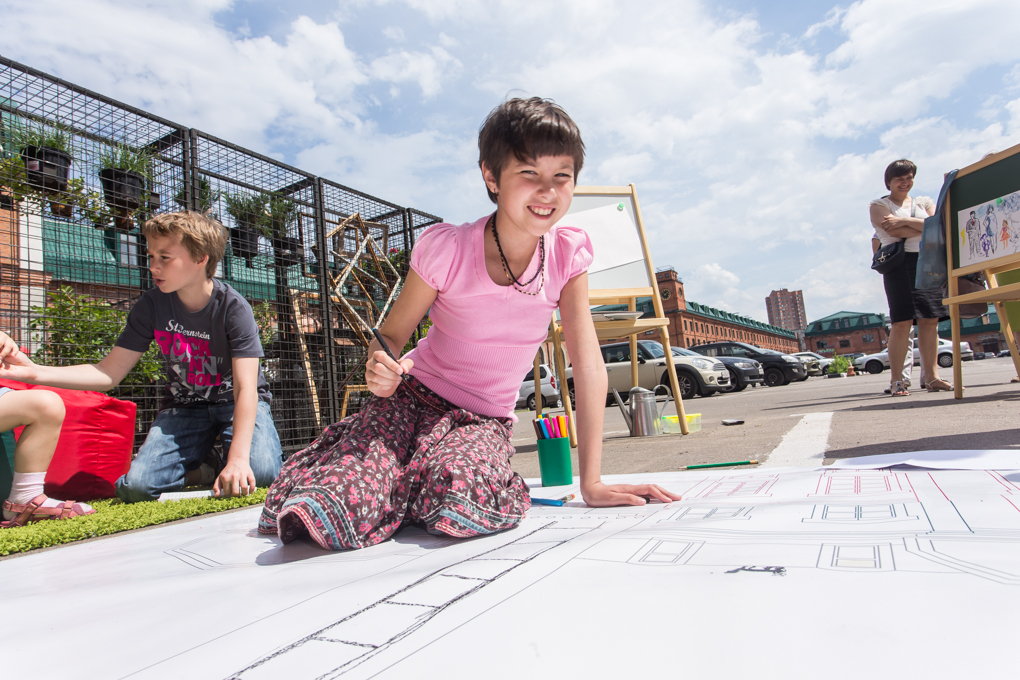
755	132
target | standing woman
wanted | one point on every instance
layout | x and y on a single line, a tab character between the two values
900	216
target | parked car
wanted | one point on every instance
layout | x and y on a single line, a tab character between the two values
876	363
1003	352
780	369
812	365
743	372
823	362
550	395
981	355
695	375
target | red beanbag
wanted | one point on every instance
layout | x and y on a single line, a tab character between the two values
95	443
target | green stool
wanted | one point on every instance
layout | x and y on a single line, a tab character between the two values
6	463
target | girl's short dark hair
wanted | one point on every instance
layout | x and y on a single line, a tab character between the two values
529	129
899	168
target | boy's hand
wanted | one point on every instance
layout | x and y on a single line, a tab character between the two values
382	374
237	479
10	354
606	495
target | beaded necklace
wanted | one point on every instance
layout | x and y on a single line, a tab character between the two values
506	265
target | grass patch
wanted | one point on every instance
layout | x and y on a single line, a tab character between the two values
113	516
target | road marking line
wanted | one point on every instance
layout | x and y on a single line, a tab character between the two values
805	444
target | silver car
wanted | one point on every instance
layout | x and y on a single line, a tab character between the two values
878	362
550	395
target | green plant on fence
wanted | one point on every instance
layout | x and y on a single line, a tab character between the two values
91	206
124	157
248	210
264	318
13	180
205	197
839	364
280	214
78	329
56	136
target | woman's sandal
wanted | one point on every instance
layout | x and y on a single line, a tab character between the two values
34	512
898	390
939	385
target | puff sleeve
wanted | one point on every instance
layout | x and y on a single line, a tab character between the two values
435	254
574	250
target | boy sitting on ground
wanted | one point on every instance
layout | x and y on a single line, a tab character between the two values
41	413
211	350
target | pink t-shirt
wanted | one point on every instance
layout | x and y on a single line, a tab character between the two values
484	337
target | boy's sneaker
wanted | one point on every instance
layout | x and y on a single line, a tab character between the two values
208	474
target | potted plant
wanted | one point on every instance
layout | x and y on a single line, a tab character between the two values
124	172
249	213
46	155
204	200
280	215
838	367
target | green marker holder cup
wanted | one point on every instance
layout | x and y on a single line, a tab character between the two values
554	462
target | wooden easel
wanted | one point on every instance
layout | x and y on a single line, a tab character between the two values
992	178
607	296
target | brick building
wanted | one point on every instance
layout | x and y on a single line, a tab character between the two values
786	309
847	332
693	324
983	333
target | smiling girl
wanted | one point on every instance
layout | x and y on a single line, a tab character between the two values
432	447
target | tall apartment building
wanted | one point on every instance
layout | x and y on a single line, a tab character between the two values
786	309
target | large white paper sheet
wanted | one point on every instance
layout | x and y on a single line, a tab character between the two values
796	573
952	459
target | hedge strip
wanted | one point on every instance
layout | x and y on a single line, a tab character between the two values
112	516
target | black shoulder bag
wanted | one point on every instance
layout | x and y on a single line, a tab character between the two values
890	256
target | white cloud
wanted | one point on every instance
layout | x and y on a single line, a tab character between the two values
754	164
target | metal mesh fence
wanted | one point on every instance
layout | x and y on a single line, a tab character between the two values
80	173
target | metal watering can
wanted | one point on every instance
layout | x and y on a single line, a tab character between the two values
644	417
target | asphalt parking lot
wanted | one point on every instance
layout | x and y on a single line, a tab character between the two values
815	422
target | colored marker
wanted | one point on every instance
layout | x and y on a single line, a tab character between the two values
563	425
552	501
538	430
545	428
556	428
386	348
711	465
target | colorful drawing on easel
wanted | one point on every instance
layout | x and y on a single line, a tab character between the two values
990	230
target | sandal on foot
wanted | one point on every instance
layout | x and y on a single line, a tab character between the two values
939	385
34	512
898	389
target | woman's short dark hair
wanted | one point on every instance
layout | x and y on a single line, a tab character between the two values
529	129
900	168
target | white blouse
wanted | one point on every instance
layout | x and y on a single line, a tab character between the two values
921	205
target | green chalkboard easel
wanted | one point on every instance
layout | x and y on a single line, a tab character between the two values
982	216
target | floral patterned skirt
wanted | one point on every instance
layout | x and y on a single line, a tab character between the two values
412	458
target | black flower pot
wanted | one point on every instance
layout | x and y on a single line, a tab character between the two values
46	168
289	251
244	243
122	188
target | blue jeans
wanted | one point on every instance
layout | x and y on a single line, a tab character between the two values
181	437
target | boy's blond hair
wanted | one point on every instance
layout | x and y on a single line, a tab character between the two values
199	234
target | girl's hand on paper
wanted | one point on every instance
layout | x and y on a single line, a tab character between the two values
601	495
382	374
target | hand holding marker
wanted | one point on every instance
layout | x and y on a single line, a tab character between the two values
386	348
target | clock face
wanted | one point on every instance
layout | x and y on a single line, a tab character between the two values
665	293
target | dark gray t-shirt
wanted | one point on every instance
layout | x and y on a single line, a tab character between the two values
197	346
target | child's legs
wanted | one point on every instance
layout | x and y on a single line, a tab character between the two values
42	414
466	484
344	490
265	455
178	439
